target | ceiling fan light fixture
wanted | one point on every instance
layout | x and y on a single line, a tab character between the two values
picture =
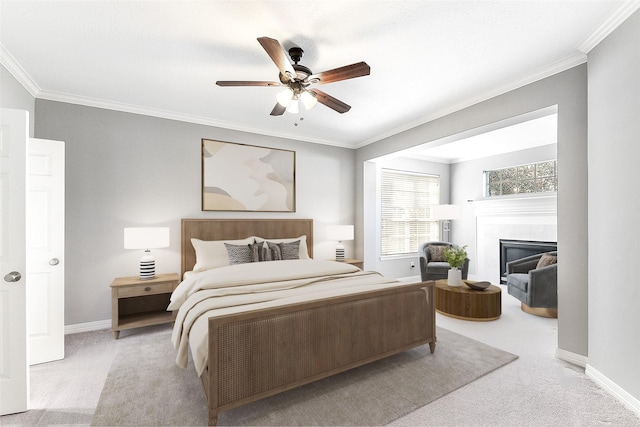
293	106
308	99
284	97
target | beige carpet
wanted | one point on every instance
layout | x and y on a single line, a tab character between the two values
145	387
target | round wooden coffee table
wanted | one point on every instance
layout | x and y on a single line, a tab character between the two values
465	303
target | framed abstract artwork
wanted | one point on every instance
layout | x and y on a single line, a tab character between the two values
239	177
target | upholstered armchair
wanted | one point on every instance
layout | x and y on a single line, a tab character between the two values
433	265
534	281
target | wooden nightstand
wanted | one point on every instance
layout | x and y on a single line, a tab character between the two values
136	303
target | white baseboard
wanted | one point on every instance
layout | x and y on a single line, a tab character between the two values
87	327
573	358
613	389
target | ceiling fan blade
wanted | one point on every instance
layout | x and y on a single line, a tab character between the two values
245	83
278	110
330	101
343	73
276	52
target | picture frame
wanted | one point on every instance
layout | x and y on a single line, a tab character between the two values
247	178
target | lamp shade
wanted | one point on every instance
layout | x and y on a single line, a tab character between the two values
284	97
308	99
340	232
146	237
445	212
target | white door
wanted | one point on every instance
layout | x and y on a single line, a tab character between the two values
14	370
45	251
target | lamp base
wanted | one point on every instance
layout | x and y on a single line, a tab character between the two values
147	266
340	252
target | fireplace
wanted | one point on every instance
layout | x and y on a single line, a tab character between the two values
515	249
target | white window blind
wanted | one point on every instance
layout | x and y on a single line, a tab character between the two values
406	200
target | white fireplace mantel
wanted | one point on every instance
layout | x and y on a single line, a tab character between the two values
543	204
520	218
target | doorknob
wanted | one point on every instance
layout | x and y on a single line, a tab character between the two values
14	276
54	261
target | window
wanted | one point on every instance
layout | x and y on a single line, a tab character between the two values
539	177
406	199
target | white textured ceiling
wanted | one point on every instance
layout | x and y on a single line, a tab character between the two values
427	58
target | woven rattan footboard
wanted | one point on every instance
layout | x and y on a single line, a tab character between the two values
261	353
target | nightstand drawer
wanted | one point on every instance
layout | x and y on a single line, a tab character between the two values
150	289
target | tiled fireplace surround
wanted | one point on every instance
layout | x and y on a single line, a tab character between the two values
520	218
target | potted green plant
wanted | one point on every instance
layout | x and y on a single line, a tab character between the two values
455	256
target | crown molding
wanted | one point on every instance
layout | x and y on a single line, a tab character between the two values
170	115
14	68
617	17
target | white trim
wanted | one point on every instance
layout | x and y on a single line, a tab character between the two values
617	17
570	357
14	68
170	115
534	204
614	389
87	327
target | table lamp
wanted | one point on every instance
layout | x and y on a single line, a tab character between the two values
340	233
445	213
146	238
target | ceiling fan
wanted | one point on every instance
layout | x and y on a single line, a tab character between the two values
298	79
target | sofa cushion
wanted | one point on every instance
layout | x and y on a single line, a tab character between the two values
547	259
436	253
519	281
438	266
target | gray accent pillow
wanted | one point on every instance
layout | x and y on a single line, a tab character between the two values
239	254
280	251
437	253
290	250
260	252
275	251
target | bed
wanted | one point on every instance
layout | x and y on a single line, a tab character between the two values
244	353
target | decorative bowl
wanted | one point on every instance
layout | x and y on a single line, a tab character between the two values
478	286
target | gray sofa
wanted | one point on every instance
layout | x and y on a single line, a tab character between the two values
534	287
435	269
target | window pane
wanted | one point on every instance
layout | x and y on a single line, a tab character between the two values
526	172
531	178
509	188
546	169
509	174
493	177
528	186
494	190
406	200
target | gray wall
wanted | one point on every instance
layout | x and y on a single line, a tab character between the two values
13	95
131	170
614	203
567	90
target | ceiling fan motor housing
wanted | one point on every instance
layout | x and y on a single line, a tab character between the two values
296	54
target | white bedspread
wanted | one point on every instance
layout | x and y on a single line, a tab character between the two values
244	287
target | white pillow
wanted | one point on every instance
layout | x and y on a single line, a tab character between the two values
213	253
304	252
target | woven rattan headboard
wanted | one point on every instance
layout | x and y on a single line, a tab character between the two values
233	229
